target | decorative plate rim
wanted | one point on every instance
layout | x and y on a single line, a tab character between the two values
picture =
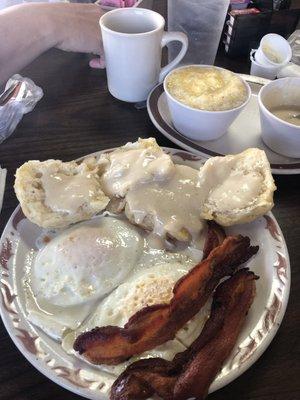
69	378
189	145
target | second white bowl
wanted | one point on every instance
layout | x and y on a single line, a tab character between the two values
281	136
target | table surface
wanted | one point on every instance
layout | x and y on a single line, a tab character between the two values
78	116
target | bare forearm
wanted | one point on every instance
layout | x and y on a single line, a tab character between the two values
25	32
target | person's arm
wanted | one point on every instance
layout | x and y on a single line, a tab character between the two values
28	30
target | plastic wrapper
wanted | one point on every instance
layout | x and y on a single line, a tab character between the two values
21	101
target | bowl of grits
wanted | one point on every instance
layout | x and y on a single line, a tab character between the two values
279	106
204	100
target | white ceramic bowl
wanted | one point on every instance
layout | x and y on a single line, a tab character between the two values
199	124
264	71
280	136
277	45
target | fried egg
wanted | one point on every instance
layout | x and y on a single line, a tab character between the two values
86	261
150	286
147	287
76	268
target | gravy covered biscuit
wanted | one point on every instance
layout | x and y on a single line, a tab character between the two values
54	194
170	207
141	182
239	188
139	162
229	190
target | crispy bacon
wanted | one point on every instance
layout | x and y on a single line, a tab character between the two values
154	325
215	236
191	372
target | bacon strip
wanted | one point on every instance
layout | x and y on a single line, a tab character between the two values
191	372
215	236
154	325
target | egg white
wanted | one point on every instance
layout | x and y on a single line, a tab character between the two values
86	261
76	268
148	286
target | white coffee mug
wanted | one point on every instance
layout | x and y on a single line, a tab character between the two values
133	39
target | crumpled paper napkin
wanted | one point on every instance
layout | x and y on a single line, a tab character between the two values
2	185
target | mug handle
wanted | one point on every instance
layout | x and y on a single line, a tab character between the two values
170	37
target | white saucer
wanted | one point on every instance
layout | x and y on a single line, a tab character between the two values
242	134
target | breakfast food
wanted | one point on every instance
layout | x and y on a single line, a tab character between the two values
116	289
207	88
138	162
155	205
156	324
86	261
288	113
150	196
54	194
240	187
141	181
191	372
77	267
147	287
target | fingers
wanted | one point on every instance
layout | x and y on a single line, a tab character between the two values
97	63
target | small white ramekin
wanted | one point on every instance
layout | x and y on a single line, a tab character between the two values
280	136
277	44
199	124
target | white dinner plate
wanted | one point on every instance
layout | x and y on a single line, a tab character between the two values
271	263
242	134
